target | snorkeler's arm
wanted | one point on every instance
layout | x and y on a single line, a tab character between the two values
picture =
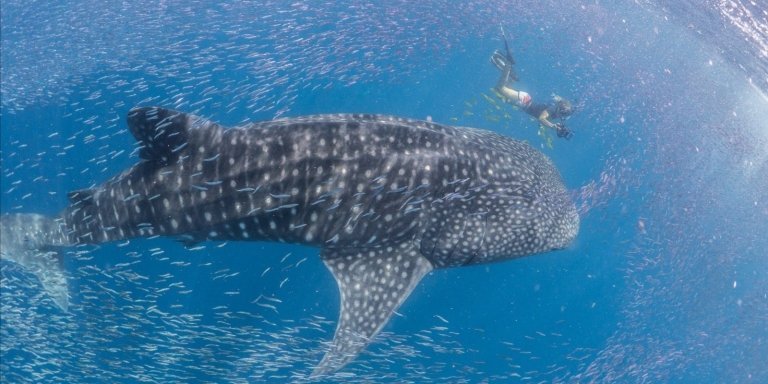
544	119
560	128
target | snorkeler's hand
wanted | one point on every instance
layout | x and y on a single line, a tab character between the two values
563	132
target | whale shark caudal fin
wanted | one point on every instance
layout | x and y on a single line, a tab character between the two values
32	240
373	282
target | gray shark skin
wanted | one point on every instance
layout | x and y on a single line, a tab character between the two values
386	199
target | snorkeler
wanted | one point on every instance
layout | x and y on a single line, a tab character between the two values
545	113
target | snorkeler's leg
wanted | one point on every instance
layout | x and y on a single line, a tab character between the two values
507	77
505	66
499	60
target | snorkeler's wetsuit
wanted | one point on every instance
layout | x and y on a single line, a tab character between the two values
535	109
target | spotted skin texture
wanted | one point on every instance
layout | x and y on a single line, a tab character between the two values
387	200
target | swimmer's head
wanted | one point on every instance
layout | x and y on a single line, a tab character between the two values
563	107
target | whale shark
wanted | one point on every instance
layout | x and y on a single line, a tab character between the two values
385	199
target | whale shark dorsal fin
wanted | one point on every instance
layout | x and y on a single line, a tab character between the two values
162	133
81	195
373	282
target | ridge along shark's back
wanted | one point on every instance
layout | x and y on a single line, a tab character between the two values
386	199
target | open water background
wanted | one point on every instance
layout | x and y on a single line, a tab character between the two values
667	281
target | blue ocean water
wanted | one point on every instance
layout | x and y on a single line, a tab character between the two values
666	282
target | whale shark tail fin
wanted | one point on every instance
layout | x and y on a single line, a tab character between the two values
33	241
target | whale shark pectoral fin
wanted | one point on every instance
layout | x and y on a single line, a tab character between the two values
373	282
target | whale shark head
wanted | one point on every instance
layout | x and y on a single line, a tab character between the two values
545	209
521	209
